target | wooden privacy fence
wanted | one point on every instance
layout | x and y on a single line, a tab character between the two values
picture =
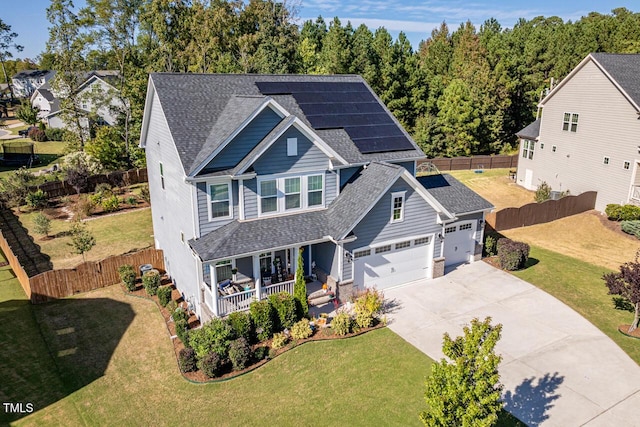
538	213
118	178
89	275
21	275
474	162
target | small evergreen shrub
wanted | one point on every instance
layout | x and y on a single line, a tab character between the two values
164	295
543	192
214	337
132	201
41	224
179	314
263	318
212	365
301	330
36	199
84	206
512	255
37	134
239	354
490	242
151	282
622	212
284	305
128	276
261	353
182	331
367	306
631	227
103	189
272	353
241	326
279	340
187	360
144	193
110	204
341	324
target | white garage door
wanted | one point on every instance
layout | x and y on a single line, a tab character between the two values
394	263
459	242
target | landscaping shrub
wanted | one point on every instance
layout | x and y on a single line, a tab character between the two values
111	203
367	306
212	365
279	340
179	314
41	224
631	227
164	295
54	134
241	326
128	276
263	318
613	212
261	353
104	189
84	206
272	353
36	199
144	193
239	354
341	324
512	255
215	336
187	360
37	134
284	305
543	192
622	213
301	330
132	201
490	241
182	331
151	282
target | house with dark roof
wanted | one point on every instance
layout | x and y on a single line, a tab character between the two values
587	136
249	172
26	82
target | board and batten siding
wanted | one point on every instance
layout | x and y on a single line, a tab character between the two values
375	228
245	141
171	207
607	126
207	226
275	160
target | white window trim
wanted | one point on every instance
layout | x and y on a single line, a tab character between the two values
626	165
393	242
395	195
285	194
570	122
161	175
230	189
292	147
280	192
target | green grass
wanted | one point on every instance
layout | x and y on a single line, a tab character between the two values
580	286
115	234
49	152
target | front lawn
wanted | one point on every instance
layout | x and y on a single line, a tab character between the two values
579	285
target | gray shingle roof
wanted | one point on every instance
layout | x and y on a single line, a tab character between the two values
24	74
625	70
456	197
531	131
193	104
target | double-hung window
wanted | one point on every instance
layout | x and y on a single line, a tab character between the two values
220	201
397	206
269	196
527	149
292	193
314	190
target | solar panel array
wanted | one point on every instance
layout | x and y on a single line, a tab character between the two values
345	105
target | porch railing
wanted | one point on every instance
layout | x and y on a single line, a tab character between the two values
236	302
278	287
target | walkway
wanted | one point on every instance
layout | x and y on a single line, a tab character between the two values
557	368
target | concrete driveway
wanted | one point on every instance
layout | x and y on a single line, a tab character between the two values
557	368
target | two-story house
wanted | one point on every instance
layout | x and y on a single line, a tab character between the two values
248	172
587	138
26	82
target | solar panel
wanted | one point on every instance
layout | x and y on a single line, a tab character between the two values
345	105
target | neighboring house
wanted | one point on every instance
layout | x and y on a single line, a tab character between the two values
44	100
246	170
26	82
587	137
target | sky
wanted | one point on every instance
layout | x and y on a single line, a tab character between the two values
417	18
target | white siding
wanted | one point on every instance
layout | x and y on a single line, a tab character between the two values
608	126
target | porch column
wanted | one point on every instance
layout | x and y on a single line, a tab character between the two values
214	289
294	262
257	276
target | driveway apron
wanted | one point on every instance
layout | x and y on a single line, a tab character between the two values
557	368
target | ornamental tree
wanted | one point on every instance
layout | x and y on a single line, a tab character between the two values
626	283
300	288
465	390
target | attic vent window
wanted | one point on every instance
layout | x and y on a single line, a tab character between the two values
292	147
570	122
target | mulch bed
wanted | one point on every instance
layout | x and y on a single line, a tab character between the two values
614	226
322	334
63	211
624	329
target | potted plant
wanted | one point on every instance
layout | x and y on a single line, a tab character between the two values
234	271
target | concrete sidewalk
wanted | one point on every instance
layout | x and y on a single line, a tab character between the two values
557	368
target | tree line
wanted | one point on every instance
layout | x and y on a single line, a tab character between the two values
462	92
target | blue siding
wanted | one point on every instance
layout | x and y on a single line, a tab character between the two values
410	166
330	190
346	174
419	219
275	159
323	254
347	267
203	209
245	141
250	199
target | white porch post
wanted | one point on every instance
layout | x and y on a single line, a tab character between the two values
257	275
294	262
214	289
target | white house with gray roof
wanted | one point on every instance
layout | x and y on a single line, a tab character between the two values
588	138
246	172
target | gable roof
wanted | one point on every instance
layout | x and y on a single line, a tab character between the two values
531	131
194	104
456	197
620	68
31	74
